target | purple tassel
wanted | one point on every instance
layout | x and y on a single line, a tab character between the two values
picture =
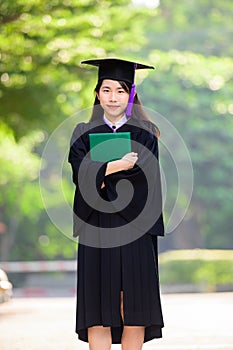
130	102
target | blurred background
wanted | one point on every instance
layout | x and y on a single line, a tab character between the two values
42	84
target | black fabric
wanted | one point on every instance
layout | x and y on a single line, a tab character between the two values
132	268
84	177
104	273
116	69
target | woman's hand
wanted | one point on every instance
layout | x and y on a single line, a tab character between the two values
125	163
129	160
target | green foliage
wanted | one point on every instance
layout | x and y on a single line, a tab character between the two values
195	95
21	166
42	83
43	44
192	87
20	195
202	26
203	267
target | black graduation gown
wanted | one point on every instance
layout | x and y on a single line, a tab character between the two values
110	262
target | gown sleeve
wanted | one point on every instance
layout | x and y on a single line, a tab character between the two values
88	176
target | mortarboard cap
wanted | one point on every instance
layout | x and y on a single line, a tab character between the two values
118	69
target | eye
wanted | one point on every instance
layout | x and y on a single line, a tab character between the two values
105	90
121	91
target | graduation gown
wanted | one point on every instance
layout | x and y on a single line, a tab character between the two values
117	238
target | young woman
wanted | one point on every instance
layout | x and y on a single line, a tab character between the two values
118	298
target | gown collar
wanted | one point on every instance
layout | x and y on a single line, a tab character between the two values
116	125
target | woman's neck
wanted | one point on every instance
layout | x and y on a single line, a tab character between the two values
114	119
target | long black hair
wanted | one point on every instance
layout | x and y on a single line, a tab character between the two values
138	111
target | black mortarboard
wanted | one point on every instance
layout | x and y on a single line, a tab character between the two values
118	69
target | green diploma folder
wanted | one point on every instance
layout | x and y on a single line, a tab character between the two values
106	147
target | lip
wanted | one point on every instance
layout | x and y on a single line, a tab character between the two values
113	106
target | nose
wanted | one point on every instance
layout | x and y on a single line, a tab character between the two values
113	96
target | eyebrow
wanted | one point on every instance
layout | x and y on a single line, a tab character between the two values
108	87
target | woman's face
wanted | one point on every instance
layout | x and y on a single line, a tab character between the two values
113	99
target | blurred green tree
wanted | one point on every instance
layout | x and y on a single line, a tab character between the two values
41	84
17	179
192	88
202	26
42	45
